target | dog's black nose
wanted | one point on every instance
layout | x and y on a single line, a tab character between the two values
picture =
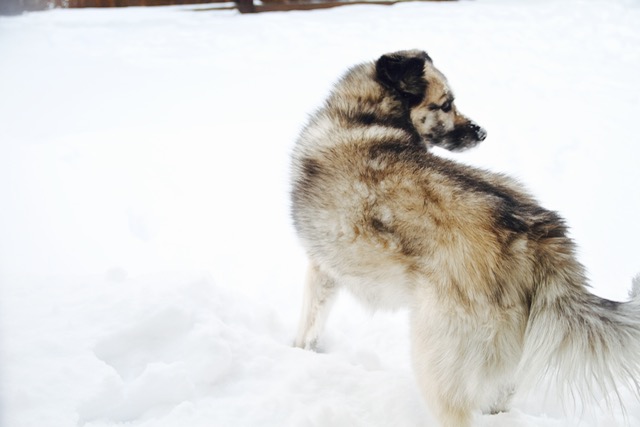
481	134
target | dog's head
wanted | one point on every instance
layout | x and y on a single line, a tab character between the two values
412	76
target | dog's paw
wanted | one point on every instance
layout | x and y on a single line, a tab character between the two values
311	345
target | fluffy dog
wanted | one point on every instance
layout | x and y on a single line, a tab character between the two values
497	297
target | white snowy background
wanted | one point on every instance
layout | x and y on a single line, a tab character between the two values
149	273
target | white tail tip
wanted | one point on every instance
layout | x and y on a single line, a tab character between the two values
635	288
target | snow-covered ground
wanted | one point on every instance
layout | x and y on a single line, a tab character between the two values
149	273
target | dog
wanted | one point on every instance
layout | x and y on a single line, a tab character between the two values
496	296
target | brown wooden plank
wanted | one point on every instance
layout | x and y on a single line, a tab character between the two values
278	6
246	6
287	5
125	3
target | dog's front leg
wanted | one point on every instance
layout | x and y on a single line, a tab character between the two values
319	294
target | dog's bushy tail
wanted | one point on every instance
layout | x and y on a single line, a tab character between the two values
589	345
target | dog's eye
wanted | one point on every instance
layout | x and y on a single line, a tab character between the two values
446	107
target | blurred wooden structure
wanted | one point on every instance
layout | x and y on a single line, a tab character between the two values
126	3
15	7
249	6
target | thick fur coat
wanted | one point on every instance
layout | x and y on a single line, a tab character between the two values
497	297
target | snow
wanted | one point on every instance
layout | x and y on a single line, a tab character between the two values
149	273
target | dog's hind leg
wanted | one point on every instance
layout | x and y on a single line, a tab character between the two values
448	360
503	400
319	293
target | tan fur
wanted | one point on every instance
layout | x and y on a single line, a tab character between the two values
474	257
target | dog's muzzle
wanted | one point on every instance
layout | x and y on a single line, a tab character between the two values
463	137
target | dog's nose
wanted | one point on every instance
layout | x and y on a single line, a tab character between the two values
481	134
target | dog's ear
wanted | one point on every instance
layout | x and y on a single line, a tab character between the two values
404	71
